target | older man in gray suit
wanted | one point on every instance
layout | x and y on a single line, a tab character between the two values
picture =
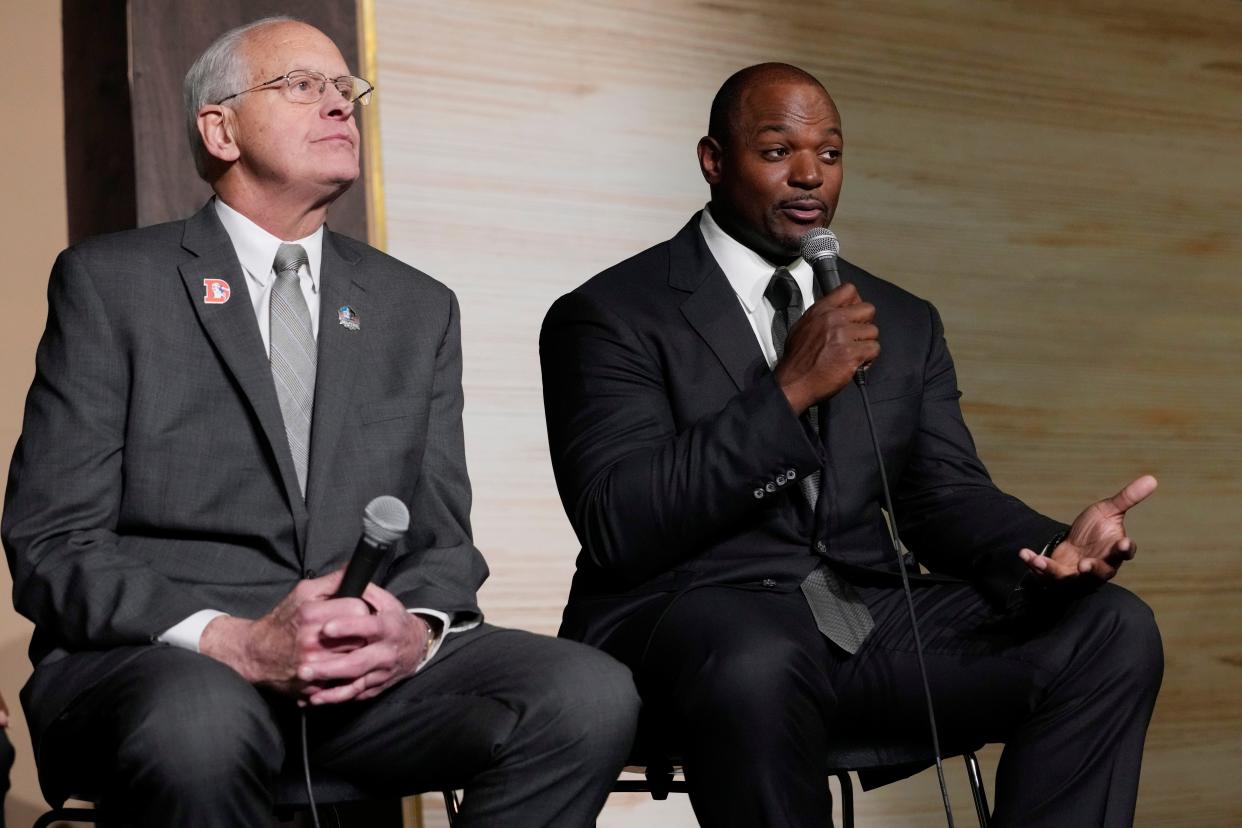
215	402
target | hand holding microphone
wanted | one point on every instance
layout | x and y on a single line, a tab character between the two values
834	339
384	521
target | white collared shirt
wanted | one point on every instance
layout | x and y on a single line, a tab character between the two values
748	274
256	250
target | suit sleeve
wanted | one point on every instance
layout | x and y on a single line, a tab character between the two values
952	516
642	496
71	575
442	568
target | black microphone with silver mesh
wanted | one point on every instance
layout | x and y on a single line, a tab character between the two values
384	521
820	249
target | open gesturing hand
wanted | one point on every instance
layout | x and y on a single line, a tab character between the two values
1097	543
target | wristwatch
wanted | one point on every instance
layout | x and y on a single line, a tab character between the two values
1054	543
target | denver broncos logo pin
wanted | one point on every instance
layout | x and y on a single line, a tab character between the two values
218	291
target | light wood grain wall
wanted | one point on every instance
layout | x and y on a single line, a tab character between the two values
33	229
1064	180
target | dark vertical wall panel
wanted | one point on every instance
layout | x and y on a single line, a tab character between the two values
163	40
99	134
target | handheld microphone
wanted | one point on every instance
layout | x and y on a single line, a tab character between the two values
820	249
384	521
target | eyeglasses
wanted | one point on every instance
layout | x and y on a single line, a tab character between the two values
305	86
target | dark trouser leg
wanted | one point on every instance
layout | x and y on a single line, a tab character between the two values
1069	690
173	738
740	683
535	729
1077	760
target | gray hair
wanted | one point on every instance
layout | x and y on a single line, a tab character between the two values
220	71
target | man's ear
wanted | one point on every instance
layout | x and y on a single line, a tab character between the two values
217	129
711	159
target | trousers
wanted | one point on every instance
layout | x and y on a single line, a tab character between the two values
741	684
534	729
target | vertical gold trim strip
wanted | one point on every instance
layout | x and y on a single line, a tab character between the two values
377	224
377	219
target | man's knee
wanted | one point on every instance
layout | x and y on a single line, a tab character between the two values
194	727
1124	641
766	687
592	703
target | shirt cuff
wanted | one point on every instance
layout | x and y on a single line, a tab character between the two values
441	627
189	632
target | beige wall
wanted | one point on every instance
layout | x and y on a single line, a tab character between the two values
1064	183
1061	178
32	232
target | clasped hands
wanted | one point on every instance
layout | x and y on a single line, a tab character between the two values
320	649
837	336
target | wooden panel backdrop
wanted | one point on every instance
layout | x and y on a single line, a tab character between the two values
1061	178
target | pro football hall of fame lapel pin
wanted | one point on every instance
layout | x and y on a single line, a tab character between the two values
348	318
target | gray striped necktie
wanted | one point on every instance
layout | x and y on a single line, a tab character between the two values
838	611
293	355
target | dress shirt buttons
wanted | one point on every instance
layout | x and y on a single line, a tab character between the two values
758	494
769	487
821	547
769	583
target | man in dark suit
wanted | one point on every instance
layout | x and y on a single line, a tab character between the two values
718	470
215	402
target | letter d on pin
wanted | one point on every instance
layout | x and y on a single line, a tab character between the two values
217	291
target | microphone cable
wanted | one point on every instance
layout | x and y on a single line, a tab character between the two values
820	249
384	520
310	788
860	380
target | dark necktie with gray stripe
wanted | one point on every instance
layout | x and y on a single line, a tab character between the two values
293	355
839	613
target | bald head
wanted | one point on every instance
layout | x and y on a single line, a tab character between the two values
772	158
727	106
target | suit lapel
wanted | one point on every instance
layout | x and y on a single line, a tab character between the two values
231	327
712	308
339	349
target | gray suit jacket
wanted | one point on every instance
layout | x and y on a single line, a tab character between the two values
153	478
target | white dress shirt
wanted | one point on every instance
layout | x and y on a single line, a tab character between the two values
256	250
748	274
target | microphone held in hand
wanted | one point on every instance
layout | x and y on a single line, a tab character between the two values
820	249
384	521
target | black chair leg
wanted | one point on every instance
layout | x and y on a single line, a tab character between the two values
975	775
847	798
451	806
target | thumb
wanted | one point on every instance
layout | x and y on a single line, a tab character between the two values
1133	494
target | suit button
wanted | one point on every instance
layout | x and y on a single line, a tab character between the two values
770	487
758	494
780	480
769	583
310	573
791	474
821	547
